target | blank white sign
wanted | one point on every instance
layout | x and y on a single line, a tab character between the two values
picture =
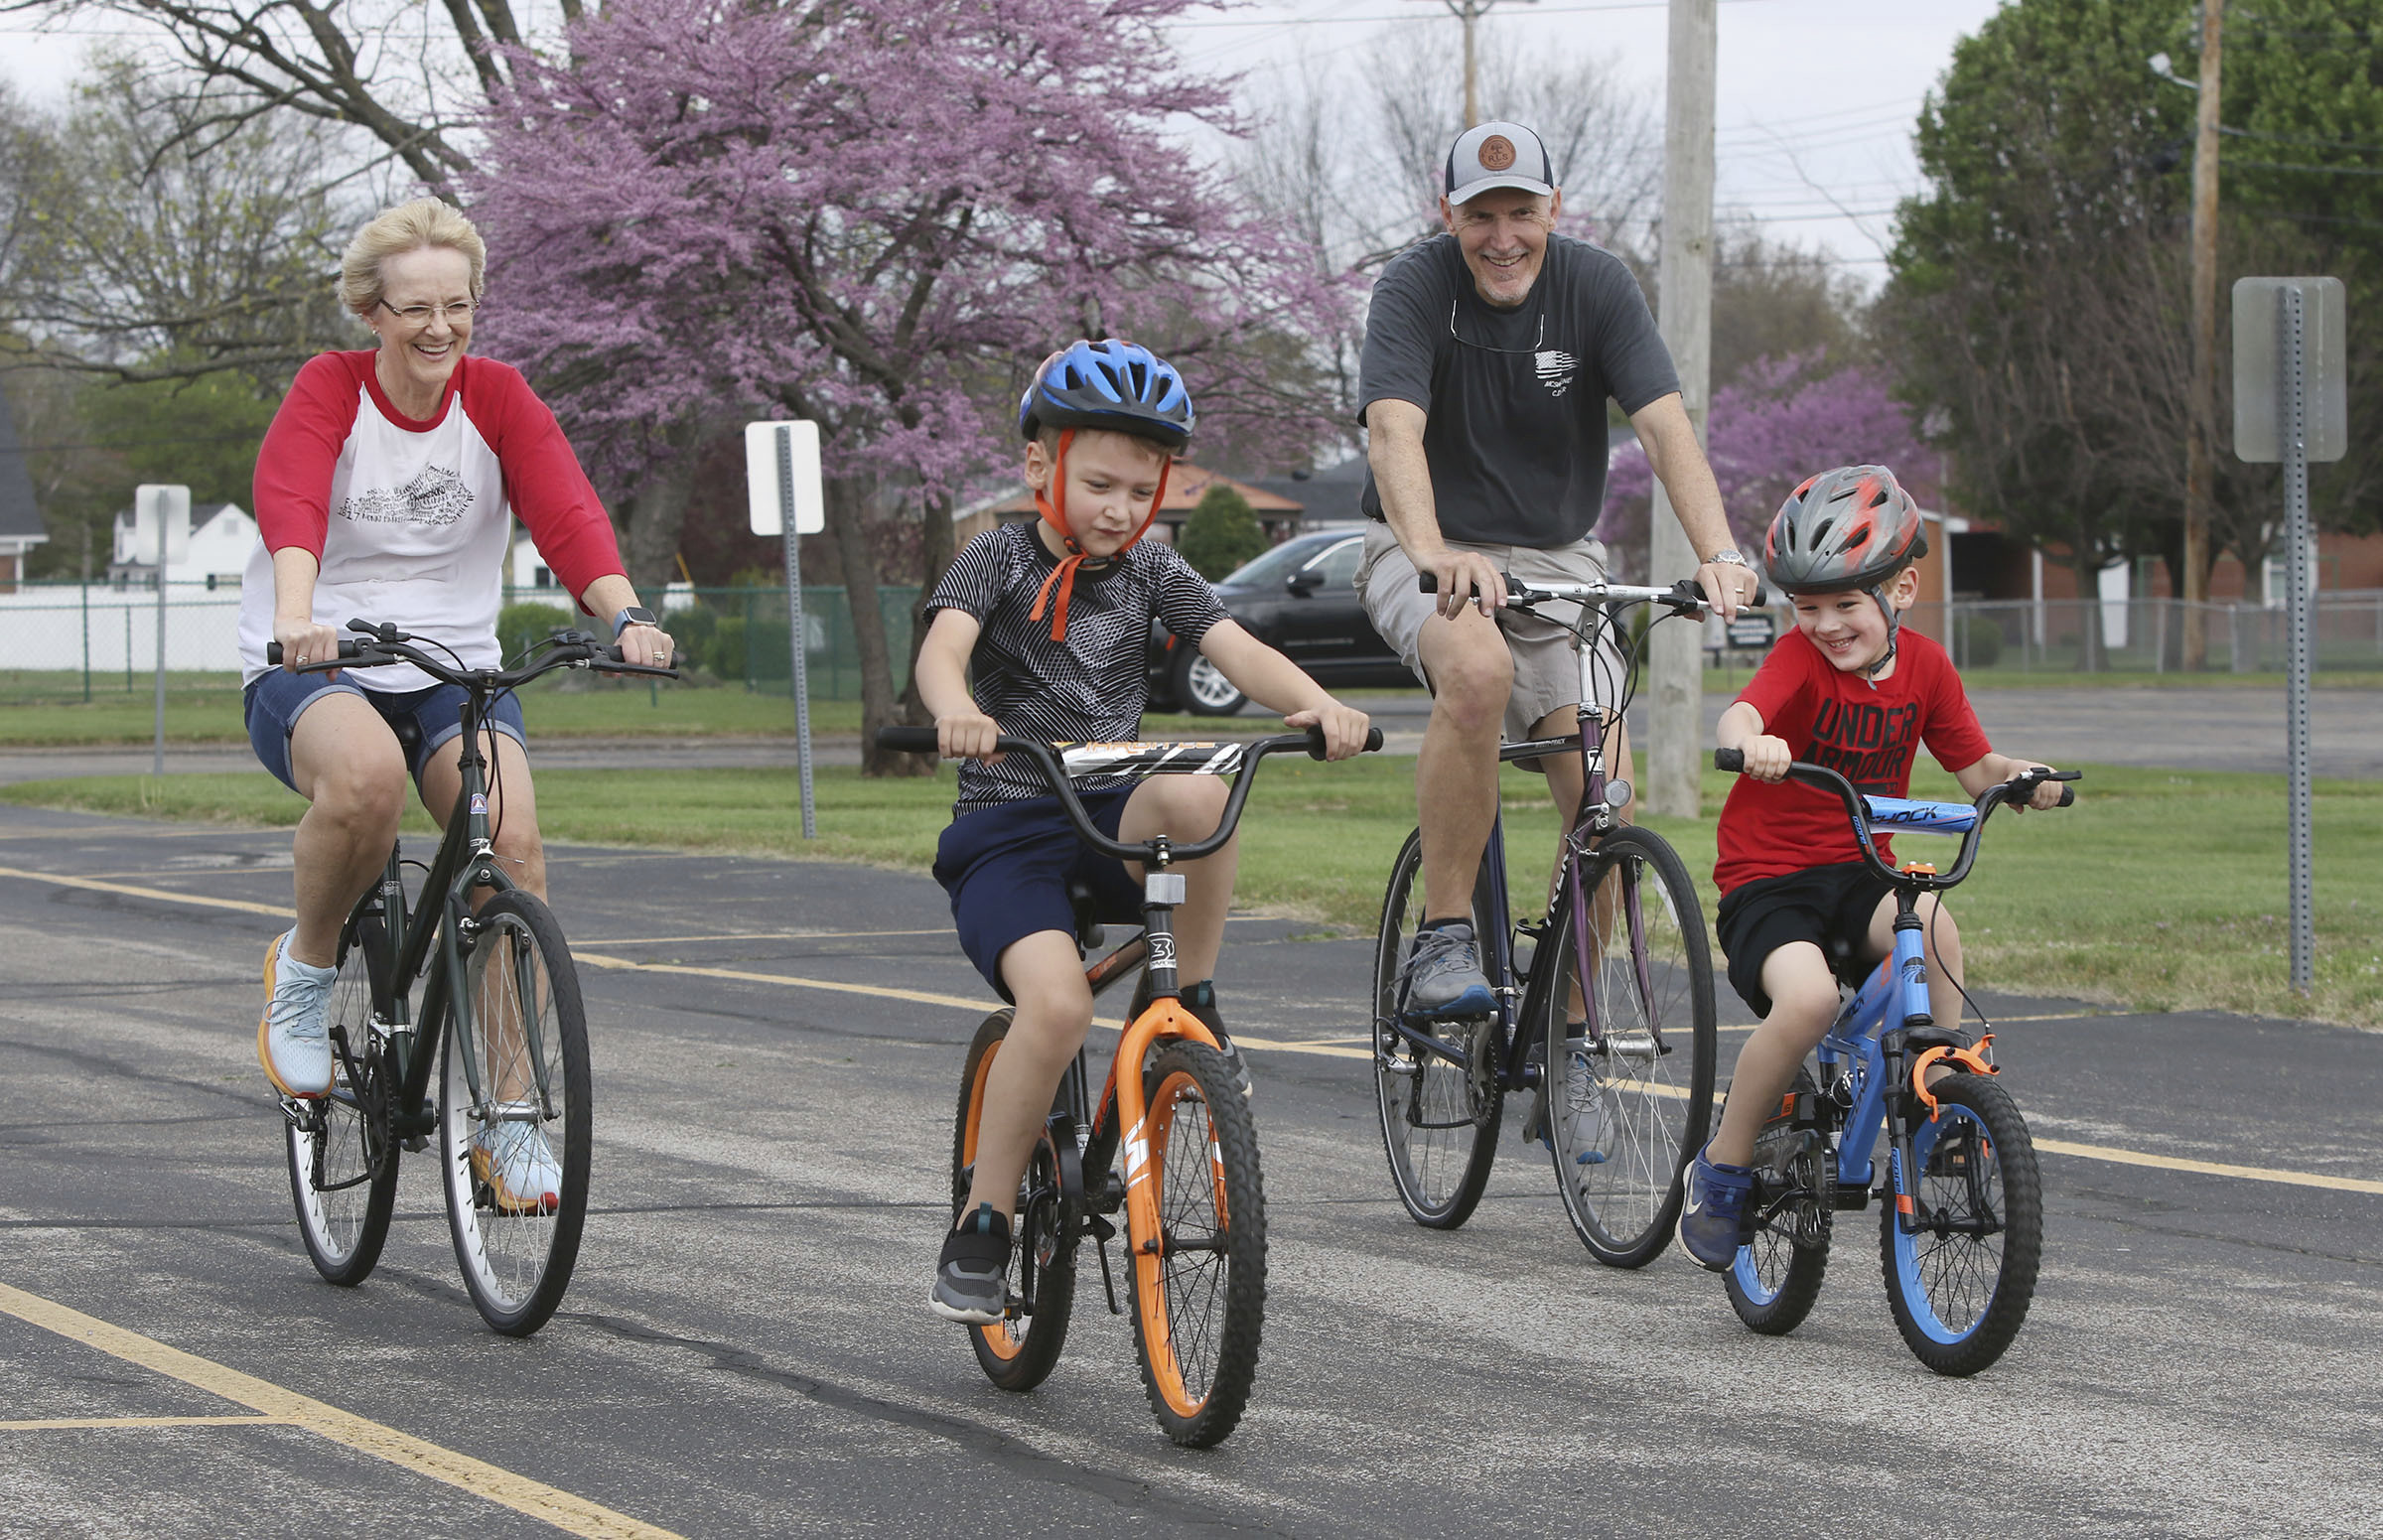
161	513
760	477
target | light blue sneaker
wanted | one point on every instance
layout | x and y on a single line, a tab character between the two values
1713	1222
1442	978
293	1038
1584	1107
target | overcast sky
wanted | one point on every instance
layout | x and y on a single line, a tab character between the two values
1816	98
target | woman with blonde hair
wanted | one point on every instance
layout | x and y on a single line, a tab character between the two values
387	489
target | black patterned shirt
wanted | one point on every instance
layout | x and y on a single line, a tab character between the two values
1093	686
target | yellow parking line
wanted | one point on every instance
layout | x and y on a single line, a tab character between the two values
571	1515
131	890
2119	1157
41	1424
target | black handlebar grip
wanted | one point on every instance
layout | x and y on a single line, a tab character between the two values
273	650
1429	582
2068	796
1373	741
906	740
1730	759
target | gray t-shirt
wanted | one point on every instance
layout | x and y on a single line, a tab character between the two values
1515	399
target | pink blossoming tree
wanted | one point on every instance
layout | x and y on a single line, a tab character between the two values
1783	420
880	214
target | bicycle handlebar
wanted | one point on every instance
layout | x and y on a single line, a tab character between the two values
923	740
2017	789
1684	596
377	646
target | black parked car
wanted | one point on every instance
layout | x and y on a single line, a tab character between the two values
1298	598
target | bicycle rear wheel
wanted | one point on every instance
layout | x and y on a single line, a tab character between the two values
1960	1282
1630	1046
1776	1278
1021	1349
513	1116
1439	1119
343	1164
1199	1294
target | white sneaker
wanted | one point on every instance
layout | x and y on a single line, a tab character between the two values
293	1038
1584	1109
519	1167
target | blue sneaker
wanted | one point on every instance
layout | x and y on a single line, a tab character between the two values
1713	1224
1442	978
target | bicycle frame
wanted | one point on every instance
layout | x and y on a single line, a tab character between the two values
465	863
1598	815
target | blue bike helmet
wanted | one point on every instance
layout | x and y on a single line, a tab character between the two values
1118	385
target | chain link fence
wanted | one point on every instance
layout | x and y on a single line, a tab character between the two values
78	642
2147	636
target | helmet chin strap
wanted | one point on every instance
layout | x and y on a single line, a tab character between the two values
1051	504
1894	624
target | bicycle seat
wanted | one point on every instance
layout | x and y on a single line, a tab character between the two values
409	734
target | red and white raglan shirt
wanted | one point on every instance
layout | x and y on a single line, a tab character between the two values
1868	734
412	521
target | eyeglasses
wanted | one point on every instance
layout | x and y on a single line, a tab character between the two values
422	314
1531	351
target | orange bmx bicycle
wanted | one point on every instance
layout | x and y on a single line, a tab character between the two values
1174	1106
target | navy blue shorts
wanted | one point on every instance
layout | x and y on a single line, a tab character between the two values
1007	868
273	702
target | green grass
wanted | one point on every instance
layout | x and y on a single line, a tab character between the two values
2156	891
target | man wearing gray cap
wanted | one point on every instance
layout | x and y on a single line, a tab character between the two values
1490	353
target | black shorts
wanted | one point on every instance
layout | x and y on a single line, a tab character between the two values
1829	905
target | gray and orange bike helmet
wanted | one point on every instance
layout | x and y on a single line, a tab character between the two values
1113	384
1845	531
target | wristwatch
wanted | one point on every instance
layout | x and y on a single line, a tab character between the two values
1727	556
635	614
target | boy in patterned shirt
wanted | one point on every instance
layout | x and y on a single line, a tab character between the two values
1053	618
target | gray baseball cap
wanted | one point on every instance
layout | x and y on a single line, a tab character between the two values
1496	155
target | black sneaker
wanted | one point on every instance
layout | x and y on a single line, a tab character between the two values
1200	1000
972	1276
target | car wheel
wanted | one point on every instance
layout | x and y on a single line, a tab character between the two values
1203	690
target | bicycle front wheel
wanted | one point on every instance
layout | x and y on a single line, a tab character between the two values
1439	1118
1627	1025
1021	1349
343	1164
513	1116
1960	1278
1200	1285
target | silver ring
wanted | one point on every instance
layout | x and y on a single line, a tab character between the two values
301	657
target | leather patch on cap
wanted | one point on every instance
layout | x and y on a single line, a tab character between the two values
1497	153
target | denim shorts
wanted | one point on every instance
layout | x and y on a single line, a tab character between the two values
273	702
1007	868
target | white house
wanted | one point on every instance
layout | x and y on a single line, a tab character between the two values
221	536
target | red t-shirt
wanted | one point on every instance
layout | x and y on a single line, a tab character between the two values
1869	735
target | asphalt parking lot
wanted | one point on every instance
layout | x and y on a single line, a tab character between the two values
746	1349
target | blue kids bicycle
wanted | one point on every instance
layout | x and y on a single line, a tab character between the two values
1961	1216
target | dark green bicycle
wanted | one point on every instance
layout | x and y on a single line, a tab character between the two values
498	1016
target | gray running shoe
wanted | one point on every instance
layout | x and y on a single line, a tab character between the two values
972	1274
1443	977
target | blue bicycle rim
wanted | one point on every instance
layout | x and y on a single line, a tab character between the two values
1924	1140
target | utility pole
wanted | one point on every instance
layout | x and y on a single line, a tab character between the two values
2200	447
1684	315
1469	12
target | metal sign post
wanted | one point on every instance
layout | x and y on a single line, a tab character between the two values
2291	406
785	498
161	533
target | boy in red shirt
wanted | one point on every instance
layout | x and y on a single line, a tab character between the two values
1848	690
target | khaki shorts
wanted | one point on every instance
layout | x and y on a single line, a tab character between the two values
1547	671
